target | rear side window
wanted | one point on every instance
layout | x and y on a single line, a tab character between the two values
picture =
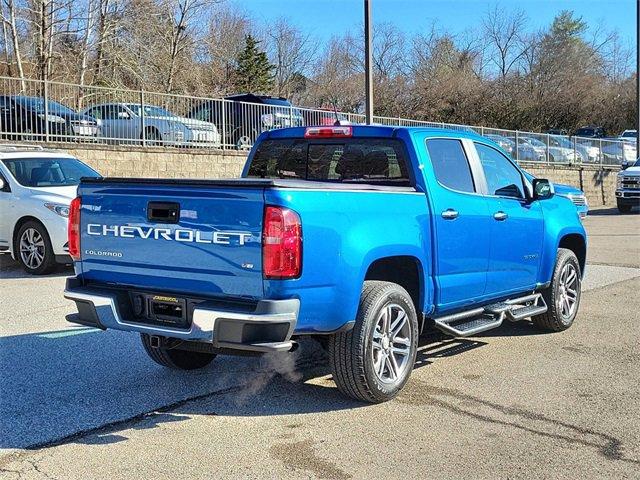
450	164
375	161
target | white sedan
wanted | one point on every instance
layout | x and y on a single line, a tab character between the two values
36	188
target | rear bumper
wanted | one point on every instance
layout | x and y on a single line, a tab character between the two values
266	327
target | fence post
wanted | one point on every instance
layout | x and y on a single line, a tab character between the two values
291	116
575	150
223	114
517	145
548	140
602	155
46	111
143	132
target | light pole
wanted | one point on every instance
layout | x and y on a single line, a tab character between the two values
368	80
637	76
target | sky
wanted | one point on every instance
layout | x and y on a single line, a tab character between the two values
324	18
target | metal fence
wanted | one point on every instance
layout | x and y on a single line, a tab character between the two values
37	111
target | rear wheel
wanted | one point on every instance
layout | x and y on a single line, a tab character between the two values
244	140
373	361
174	358
33	249
152	137
563	295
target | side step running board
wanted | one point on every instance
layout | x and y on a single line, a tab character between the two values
471	322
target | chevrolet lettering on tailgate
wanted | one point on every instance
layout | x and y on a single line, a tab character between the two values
178	234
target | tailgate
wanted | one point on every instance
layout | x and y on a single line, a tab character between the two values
200	239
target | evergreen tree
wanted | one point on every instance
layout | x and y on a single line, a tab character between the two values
254	73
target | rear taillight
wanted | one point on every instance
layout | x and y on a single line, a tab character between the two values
281	243
328	132
73	230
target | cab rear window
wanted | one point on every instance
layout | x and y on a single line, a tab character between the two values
375	161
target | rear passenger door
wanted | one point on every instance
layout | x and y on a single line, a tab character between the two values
461	221
517	226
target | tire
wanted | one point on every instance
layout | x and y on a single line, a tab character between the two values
28	136
353	354
624	208
562	304
244	140
152	137
174	358
33	250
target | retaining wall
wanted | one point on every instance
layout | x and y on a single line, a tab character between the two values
597	182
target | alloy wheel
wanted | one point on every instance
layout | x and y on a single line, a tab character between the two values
391	344
244	142
32	248
567	298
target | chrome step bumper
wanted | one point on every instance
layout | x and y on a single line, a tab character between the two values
229	329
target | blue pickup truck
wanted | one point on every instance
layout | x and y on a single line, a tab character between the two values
362	237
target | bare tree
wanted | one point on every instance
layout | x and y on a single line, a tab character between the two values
10	21
224	41
292	52
182	17
108	15
49	19
504	33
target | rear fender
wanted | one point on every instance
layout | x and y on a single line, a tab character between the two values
344	232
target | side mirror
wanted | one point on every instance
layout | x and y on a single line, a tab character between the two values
542	189
624	165
123	115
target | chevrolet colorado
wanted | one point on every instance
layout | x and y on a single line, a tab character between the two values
362	236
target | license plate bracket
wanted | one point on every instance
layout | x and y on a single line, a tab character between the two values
167	310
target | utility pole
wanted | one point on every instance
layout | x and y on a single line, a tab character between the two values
368	61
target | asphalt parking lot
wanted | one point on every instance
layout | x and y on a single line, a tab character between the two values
511	403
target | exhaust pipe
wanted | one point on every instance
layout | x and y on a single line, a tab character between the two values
294	347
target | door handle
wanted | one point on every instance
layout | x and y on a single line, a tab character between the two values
500	216
450	214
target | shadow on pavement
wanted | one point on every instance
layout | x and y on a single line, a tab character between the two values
9	269
56	384
59	386
610	211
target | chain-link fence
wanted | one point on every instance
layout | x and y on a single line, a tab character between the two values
36	111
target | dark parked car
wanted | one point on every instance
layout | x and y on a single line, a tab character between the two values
556	131
590	131
246	116
26	118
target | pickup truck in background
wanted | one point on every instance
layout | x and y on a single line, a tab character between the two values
360	236
628	187
577	196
